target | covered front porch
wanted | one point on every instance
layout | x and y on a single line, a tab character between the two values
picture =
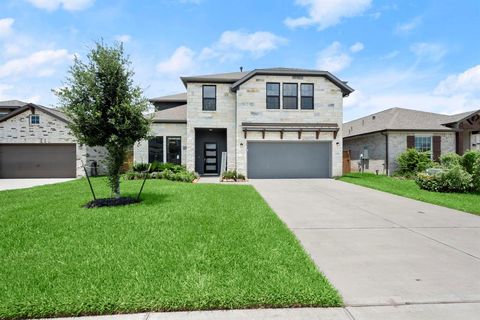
467	126
210	146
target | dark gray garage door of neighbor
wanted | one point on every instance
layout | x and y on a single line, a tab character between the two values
267	160
37	161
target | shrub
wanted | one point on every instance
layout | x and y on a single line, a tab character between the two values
411	162
230	175
455	179
469	159
140	167
155	166
428	182
476	175
450	160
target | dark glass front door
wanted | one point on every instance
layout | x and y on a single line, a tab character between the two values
174	154
210	157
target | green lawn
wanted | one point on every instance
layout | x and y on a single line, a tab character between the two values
185	247
408	188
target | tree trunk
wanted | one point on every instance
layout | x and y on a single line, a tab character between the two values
115	159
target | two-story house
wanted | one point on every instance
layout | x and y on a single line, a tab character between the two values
267	123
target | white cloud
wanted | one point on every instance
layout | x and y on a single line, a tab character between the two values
232	44
466	83
429	52
39	64
415	89
408	26
6	27
123	38
390	55
327	13
335	59
181	60
69	5
357	47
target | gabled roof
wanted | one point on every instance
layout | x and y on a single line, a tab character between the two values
459	117
346	90
179	97
400	119
237	78
53	112
229	77
174	115
12	103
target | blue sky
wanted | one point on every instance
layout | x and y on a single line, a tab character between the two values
422	54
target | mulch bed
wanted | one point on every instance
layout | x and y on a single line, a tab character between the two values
111	202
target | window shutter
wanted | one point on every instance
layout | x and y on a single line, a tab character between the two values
437	147
410	142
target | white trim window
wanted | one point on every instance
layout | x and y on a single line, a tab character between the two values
423	143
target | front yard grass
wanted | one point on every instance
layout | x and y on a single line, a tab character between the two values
185	247
408	188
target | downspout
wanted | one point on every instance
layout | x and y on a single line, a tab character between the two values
386	151
236	131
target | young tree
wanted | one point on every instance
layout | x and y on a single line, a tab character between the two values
105	107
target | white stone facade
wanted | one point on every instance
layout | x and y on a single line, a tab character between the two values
251	107
248	104
223	118
18	129
140	150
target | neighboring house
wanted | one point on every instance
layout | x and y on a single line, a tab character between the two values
35	142
10	105
381	137
270	123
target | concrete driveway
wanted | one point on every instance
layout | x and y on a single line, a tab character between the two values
11	184
381	249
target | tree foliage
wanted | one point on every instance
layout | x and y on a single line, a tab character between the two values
104	105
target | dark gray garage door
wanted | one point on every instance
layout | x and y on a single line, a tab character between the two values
288	160
37	161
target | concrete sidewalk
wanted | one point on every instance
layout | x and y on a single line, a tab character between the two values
463	311
380	249
12	184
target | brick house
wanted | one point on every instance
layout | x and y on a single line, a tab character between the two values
381	137
267	123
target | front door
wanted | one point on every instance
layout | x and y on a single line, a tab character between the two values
210	157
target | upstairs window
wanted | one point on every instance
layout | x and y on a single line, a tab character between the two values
34	119
273	95
209	98
290	96
306	96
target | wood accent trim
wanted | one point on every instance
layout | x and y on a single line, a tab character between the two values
436	147
410	142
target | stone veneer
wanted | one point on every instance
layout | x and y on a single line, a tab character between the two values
375	144
140	150
251	107
397	143
223	117
50	130
248	104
